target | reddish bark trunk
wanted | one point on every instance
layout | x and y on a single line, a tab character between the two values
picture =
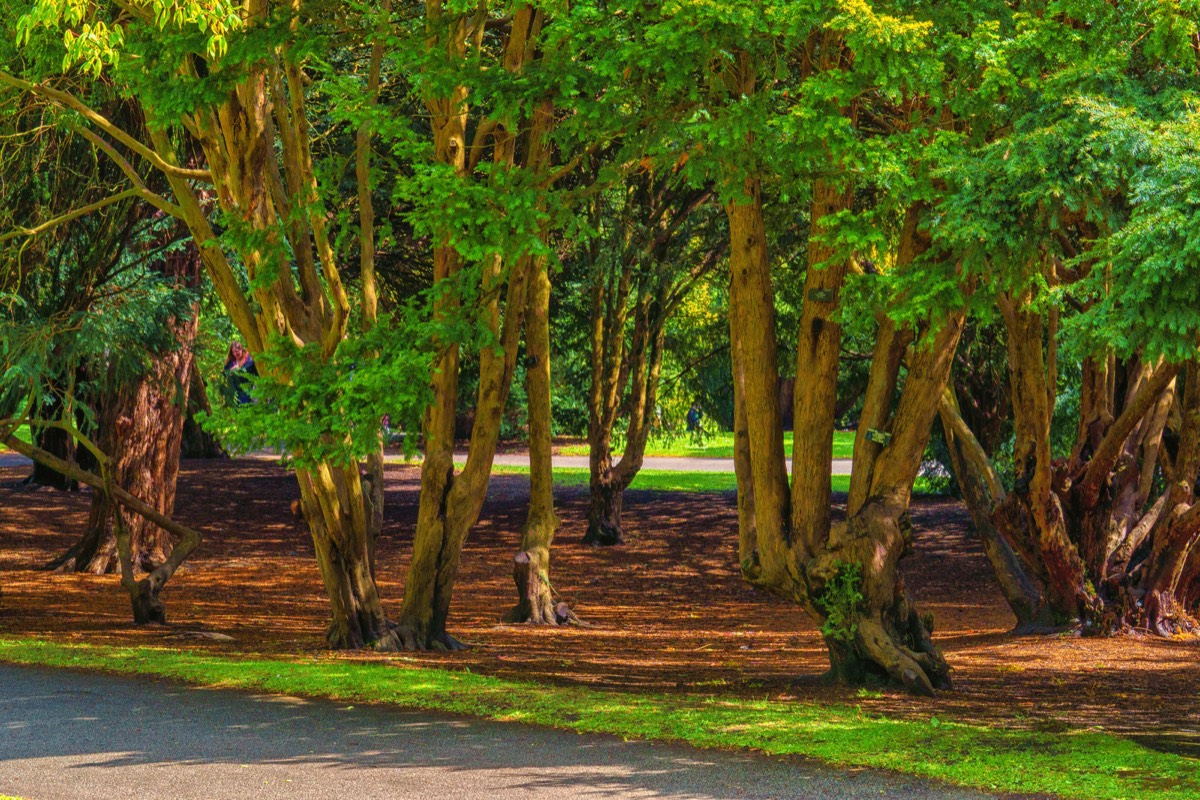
142	431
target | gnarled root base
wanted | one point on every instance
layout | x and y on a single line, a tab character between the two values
1166	617
535	605
880	634
603	533
148	608
892	646
413	637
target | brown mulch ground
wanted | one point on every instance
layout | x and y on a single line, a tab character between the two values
668	610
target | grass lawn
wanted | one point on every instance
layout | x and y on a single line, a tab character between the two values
717	445
663	480
23	435
1081	764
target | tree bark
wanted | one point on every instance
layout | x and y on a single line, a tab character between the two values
144	594
197	442
1080	540
450	504
752	309
846	574
141	426
817	353
535	592
982	492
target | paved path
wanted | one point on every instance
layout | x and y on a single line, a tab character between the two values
8	459
81	736
841	466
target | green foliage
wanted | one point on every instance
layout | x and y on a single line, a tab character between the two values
332	410
840	600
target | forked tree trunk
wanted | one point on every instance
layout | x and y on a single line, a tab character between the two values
846	574
1081	540
642	367
450	503
890	637
645	282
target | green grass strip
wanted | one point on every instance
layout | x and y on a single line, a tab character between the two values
1087	764
665	480
658	480
716	445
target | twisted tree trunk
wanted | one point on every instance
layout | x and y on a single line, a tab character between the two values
141	426
845	574
1081	540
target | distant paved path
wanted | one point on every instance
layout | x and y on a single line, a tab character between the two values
841	466
79	736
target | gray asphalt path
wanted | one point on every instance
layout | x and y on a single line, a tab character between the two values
80	736
13	460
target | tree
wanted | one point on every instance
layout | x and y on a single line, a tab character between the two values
652	251
847	109
511	255
141	428
126	329
232	78
1092	522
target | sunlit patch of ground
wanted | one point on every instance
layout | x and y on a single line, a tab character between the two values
668	611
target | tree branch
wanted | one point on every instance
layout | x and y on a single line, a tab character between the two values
69	101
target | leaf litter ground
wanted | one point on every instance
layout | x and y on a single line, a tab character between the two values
667	612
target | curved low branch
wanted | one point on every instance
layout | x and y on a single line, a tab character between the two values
189	538
68	100
70	216
156	200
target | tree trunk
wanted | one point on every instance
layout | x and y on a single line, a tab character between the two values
817	353
141	427
58	443
605	503
1175	540
145	594
883	632
197	442
752	309
339	510
845	575
982	492
1080	540
535	593
643	366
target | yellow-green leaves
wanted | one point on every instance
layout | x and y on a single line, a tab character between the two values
94	34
